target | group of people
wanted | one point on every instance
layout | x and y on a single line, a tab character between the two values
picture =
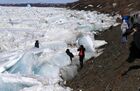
81	54
81	50
127	29
134	30
131	26
128	23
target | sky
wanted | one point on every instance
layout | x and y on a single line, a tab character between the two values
36	1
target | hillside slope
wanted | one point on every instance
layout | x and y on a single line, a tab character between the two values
105	74
107	6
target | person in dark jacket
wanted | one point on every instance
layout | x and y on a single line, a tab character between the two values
69	54
135	44
37	44
81	50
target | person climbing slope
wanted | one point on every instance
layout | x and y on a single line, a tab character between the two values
69	54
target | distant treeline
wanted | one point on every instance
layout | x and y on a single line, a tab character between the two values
35	5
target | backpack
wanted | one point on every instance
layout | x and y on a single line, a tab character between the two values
81	53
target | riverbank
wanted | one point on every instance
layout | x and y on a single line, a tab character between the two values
105	72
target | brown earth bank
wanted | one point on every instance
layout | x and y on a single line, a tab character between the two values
105	73
122	7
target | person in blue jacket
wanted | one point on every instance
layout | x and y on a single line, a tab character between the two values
126	18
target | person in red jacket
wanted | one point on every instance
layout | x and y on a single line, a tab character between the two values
81	50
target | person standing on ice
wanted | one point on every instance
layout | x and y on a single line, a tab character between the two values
81	50
69	54
124	28
37	44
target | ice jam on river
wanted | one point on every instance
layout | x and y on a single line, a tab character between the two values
26	68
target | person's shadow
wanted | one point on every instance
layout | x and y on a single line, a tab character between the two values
134	67
134	53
